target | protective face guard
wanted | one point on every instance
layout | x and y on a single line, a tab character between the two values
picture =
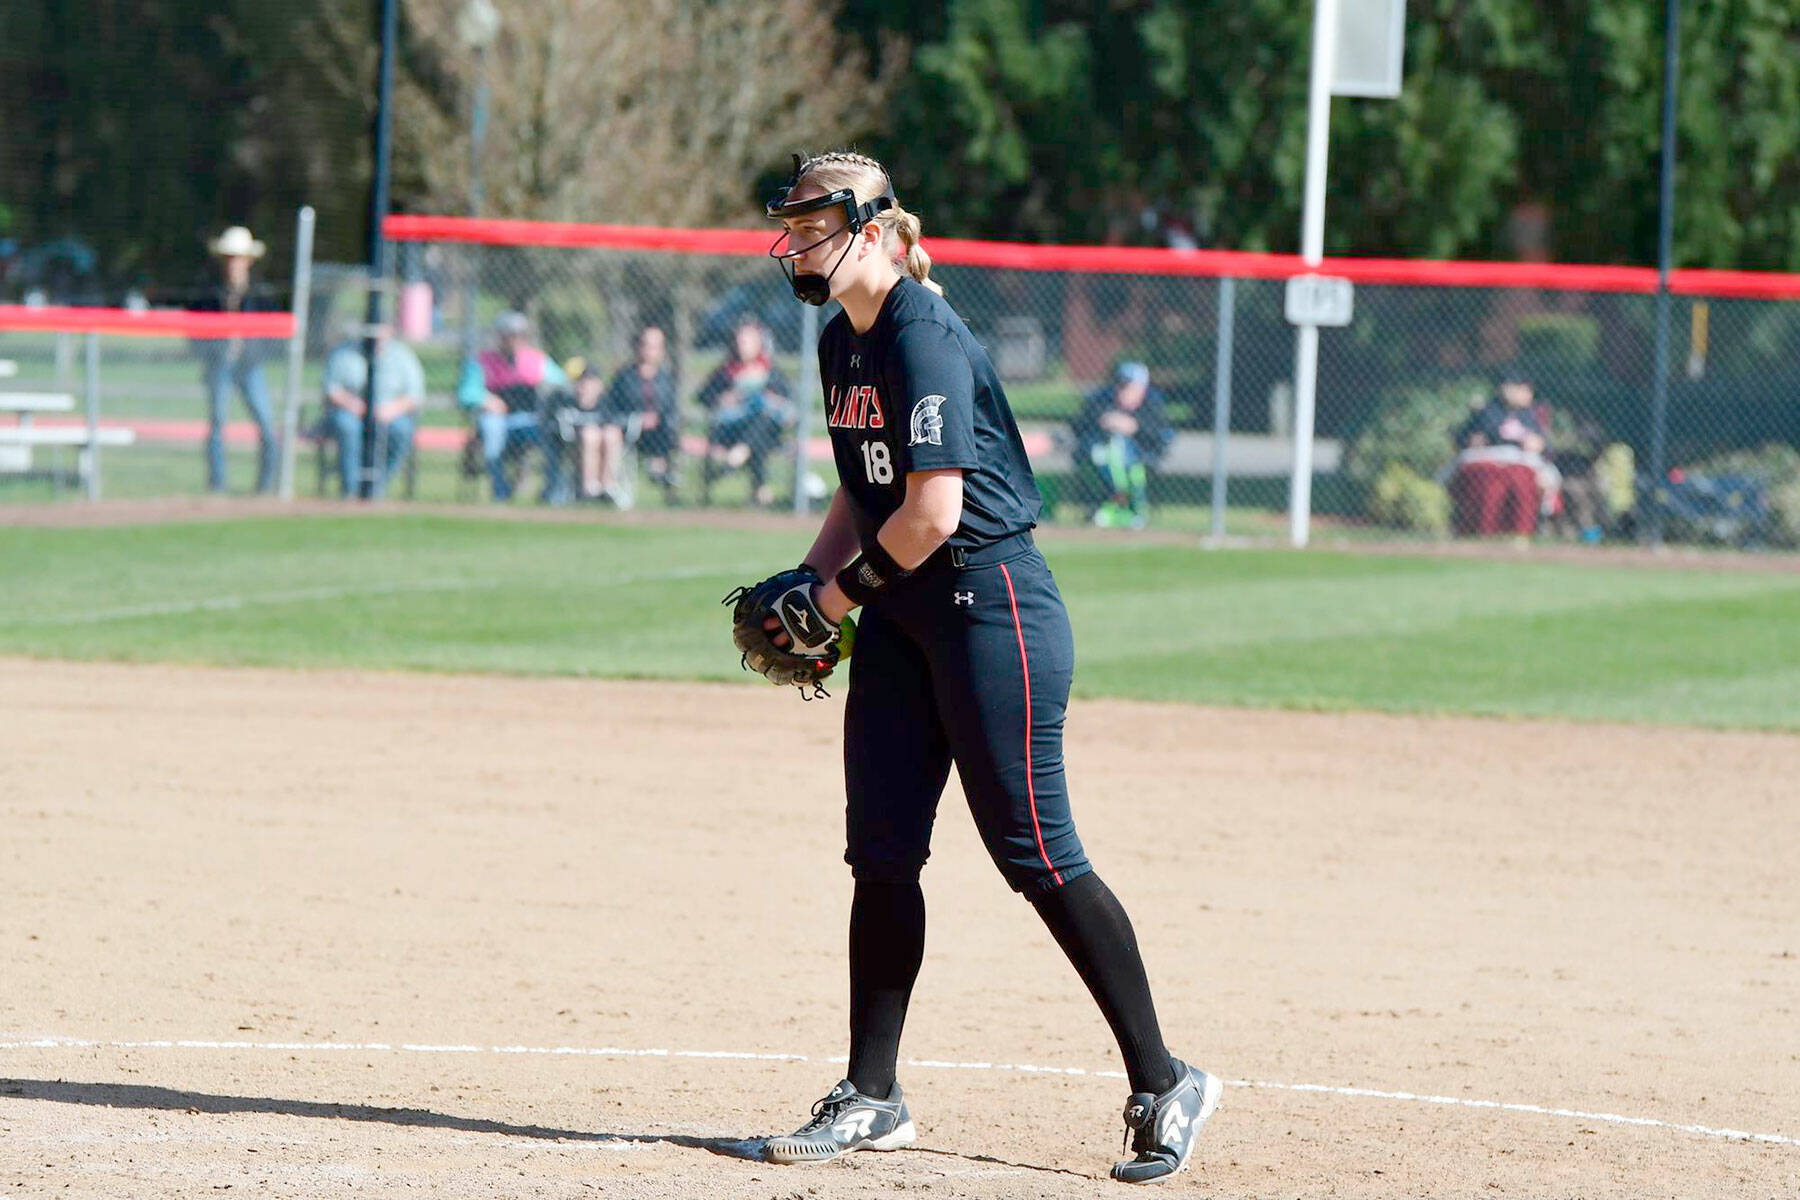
816	289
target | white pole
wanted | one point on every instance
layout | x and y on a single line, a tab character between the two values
290	417
90	454
1312	250
1222	402
804	399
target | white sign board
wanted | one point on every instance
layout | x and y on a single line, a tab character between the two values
1319	300
1371	42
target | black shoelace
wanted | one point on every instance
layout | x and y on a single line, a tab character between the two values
1139	1121
825	1112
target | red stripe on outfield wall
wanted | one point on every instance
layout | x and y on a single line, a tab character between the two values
1030	782
1429	272
1114	260
1122	260
148	323
489	232
1735	285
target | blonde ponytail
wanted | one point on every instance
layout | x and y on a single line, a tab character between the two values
914	258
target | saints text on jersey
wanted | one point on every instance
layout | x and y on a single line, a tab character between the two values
856	408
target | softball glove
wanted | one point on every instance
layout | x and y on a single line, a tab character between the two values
783	604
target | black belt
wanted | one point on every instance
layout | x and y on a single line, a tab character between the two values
953	557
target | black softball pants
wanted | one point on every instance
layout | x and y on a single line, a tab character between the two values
970	665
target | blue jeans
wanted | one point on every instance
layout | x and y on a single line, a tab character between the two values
503	433
255	389
348	429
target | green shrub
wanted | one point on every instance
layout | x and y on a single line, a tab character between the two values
1561	341
1784	511
1771	462
1404	499
1412	427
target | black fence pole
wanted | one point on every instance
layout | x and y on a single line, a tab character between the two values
1659	403
378	247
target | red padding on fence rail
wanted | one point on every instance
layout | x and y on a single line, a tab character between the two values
493	232
1431	272
1122	260
1736	285
149	323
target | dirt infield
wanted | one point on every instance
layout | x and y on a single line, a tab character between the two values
448	878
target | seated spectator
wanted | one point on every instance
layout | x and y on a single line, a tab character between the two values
1121	433
639	406
1582	510
748	404
399	395
582	422
1501	476
507	391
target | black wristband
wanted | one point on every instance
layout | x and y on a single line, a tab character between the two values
872	574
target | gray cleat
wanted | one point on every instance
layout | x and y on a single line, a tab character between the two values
846	1120
1161	1130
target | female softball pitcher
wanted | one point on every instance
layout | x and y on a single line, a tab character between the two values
963	655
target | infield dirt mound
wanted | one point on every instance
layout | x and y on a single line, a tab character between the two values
1598	918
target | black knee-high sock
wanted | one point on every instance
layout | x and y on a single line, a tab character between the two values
1090	925
887	943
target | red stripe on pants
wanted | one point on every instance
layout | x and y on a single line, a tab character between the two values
1030	783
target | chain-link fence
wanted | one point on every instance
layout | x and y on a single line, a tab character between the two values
658	368
142	399
1442	410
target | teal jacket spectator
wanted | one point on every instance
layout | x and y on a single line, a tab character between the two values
508	390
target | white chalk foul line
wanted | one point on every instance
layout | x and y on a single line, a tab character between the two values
1359	1093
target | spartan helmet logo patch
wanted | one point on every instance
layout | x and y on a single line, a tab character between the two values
927	422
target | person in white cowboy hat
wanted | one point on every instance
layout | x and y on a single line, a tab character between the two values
237	242
237	362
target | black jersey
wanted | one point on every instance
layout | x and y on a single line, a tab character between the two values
917	393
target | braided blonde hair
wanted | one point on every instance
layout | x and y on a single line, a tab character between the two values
866	178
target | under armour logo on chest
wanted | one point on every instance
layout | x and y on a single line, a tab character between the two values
964	599
855	361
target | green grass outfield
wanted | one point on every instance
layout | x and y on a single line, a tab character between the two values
1703	646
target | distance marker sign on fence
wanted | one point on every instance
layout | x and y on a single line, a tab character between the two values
1319	300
